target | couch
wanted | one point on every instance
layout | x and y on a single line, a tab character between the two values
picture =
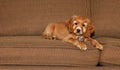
23	48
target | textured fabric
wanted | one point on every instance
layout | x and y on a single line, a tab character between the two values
33	50
57	68
106	17
111	53
30	17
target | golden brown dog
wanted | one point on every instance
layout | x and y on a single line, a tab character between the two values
76	30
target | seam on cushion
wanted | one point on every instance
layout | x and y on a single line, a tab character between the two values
90	9
52	65
52	48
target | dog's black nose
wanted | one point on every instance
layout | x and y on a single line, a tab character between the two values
78	30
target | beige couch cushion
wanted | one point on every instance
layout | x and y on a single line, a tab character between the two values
58	68
33	50
106	17
29	17
111	53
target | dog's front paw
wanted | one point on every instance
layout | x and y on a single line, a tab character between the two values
99	46
82	47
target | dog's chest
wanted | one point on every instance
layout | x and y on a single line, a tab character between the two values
80	38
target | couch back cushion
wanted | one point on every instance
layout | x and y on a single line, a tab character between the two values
29	17
106	17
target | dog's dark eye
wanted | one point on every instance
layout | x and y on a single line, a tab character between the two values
83	25
76	23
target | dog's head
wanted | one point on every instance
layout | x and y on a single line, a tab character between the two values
80	25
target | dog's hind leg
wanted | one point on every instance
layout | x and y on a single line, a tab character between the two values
48	33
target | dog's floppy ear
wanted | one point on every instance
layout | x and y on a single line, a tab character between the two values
70	23
92	34
90	30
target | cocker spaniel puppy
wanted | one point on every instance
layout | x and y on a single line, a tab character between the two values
77	30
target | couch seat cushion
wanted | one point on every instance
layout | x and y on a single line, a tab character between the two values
34	50
111	53
59	68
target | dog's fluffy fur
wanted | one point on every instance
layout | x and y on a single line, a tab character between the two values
76	30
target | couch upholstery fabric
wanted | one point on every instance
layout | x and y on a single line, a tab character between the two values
33	50
58	68
106	17
111	53
30	17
